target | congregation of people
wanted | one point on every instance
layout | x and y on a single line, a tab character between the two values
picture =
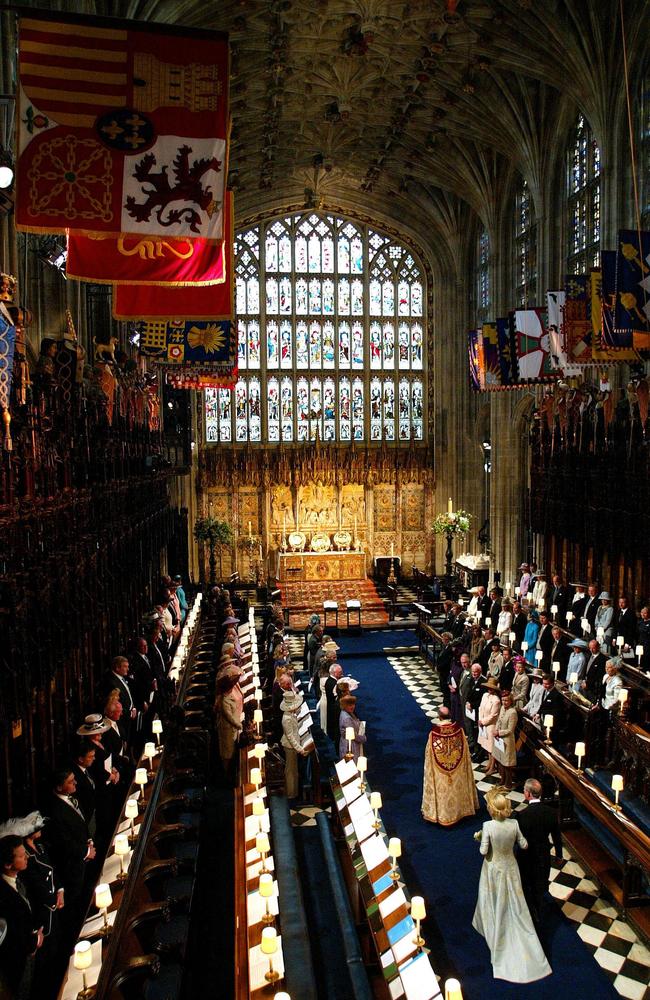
51	858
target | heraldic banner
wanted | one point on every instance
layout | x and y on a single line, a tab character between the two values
474	362
204	302
198	349
149	260
122	128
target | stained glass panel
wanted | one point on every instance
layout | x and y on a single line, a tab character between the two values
357	298
345	410
285	253
211	415
375	345
389	345
344	345
328	297
388	298
315	409
315	303
315	351
344	297
286	354
302	345
301	297
242	351
416	346
302	407
254	410
286	404
416	408
329	410
285	296
253	344
404	410
329	357
389	410
272	345
403	299
404	346
241	411
357	345
357	409
375	297
273	409
272	295
375	410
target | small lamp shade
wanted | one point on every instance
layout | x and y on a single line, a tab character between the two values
262	843
512	636
259	750
131	808
453	990
269	943
623	695
553	609
150	750
267	888
580	750
258	807
638	651
121	844
418	909
570	616
157	727
488	622
141	776
573	679
524	646
256	776
556	666
83	956
548	722
539	655
620	641
258	717
395	847
617	782
103	896
375	800
349	733
479	615
258	694
362	765
282	996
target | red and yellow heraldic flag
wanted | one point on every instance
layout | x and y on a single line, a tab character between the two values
149	260
122	128
191	302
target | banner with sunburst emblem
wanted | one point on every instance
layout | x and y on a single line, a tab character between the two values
191	350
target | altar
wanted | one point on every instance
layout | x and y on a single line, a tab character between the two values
298	567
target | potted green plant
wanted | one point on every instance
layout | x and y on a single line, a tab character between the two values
216	535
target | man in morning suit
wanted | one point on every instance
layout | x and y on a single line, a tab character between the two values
70	842
117	679
518	626
591	607
537	822
23	939
594	671
627	624
545	639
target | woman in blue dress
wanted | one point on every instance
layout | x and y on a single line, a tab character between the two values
530	636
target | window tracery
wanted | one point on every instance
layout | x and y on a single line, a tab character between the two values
330	319
583	200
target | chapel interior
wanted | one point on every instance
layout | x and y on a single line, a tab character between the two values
399	175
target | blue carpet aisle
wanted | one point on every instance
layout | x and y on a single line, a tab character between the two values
444	865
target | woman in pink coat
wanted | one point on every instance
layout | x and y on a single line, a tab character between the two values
488	713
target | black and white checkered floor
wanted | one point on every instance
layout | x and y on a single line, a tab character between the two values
612	940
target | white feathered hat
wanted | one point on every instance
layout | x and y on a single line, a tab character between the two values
23	826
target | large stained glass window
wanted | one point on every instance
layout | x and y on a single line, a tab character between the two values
583	200
644	152
525	247
331	325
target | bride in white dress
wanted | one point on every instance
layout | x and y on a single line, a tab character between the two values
501	913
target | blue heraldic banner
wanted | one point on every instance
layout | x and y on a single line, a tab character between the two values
209	345
632	305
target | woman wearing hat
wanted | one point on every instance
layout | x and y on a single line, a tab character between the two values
536	693
505	752
501	915
530	635
229	708
577	663
488	713
520	684
605	619
291	705
349	719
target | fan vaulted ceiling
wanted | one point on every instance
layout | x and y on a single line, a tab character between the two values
403	108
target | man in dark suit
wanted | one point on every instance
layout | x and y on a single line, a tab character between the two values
594	671
117	679
86	793
627	624
23	939
518	626
537	822
495	607
545	639
559	598
591	607
71	845
443	666
475	692
552	704
484	604
560	651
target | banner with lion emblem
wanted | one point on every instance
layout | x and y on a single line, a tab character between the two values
122	128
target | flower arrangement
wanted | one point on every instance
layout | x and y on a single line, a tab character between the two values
456	522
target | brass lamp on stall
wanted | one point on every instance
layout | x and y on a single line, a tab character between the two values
131	811
375	804
349	735
362	768
259	810
121	848
269	946
267	891
418	913
82	960
548	725
141	779
263	847
617	788
395	852
150	753
156	729
103	899
453	990
580	753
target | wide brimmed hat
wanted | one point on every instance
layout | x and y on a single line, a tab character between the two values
23	826
534	615
330	647
525	566
291	701
578	583
537	673
604	596
491	683
578	644
94	725
230	620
